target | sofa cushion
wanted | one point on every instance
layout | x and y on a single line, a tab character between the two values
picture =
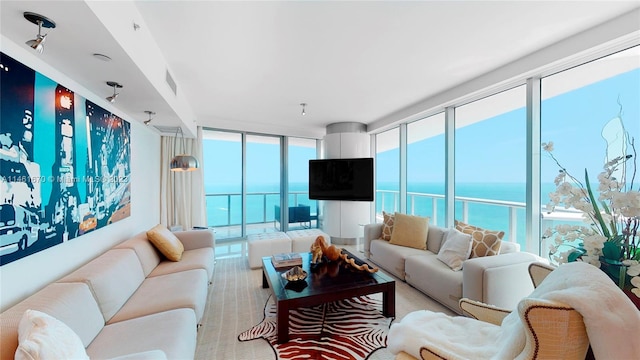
41	336
112	277
435	238
184	289
147	333
455	250
410	231
191	260
435	278
166	242
391	257
485	242
148	255
71	303
387	225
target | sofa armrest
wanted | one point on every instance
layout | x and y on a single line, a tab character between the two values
501	280
371	232
196	239
483	312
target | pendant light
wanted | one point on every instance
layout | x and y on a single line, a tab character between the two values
182	161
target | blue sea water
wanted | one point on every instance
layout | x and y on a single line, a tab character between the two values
225	209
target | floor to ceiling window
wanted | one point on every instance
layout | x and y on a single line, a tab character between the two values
259	169
222	157
300	151
387	172
263	182
490	162
584	112
426	168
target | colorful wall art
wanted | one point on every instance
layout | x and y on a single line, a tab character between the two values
64	163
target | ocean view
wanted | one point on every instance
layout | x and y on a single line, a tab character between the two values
224	207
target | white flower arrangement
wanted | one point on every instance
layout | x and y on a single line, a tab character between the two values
611	240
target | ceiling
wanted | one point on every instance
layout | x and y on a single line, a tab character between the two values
249	65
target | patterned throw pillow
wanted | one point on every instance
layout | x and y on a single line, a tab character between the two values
387	226
485	242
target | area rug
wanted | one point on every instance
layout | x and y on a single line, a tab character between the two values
341	330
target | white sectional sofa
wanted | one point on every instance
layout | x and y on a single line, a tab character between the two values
129	302
500	280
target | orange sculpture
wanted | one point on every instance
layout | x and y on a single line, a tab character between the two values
320	248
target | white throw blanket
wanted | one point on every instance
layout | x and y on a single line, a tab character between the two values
611	319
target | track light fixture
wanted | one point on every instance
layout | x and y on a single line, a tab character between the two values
150	113
115	86
38	43
304	105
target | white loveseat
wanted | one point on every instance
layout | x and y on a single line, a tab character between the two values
500	280
129	302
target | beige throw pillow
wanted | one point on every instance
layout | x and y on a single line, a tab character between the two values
456	249
166	242
387	226
41	336
485	242
410	231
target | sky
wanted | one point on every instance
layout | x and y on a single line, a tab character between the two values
489	151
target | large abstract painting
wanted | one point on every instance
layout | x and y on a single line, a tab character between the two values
64	163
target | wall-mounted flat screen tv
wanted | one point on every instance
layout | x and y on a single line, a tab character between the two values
341	179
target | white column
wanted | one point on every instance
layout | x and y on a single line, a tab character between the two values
342	218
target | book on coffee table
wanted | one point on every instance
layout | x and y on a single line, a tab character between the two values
286	260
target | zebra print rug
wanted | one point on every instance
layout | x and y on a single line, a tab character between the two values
342	330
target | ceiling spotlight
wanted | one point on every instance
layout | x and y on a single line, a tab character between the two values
150	113
304	105
115	86
38	43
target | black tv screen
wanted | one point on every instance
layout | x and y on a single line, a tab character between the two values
341	179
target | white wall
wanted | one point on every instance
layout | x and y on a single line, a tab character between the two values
21	278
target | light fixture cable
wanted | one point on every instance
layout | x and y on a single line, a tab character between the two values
304	105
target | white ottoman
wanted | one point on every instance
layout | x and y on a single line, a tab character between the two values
266	244
301	240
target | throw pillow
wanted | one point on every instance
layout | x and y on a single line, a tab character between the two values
166	242
387	226
455	250
485	242
410	231
41	336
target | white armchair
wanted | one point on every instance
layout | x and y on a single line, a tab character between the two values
571	304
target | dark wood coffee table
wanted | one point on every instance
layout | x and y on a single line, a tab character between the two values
327	282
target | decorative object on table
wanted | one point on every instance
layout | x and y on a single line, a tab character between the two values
327	331
286	260
611	241
295	274
319	248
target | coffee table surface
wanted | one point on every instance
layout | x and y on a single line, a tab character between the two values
324	278
327	282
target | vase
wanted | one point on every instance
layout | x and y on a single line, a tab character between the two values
634	299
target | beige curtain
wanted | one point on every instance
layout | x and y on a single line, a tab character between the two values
182	200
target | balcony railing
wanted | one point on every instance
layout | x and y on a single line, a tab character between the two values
265	203
516	231
388	201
